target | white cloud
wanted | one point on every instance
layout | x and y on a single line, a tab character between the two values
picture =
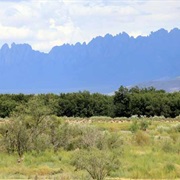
8	33
46	23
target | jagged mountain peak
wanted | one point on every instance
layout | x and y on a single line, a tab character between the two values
5	47
101	65
24	46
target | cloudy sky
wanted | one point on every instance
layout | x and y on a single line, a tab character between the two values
46	23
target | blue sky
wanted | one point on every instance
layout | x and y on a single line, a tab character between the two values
46	23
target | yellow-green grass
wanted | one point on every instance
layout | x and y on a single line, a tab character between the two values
113	126
156	157
143	163
46	163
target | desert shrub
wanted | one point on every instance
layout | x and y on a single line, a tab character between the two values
167	146
139	124
141	138
162	129
169	167
134	127
42	143
144	125
15	137
66	136
96	162
175	136
114	141
176	127
91	137
158	117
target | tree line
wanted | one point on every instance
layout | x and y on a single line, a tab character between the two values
124	103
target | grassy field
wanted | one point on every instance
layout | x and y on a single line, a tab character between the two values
153	153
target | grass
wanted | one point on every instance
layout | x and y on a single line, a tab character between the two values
35	164
113	127
150	154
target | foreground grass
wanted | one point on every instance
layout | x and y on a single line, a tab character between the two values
151	154
136	162
146	163
45	164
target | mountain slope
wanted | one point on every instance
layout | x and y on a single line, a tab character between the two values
102	65
169	85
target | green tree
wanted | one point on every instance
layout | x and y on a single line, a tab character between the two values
34	116
16	137
122	102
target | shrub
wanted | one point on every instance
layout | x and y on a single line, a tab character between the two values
91	137
175	137
42	142
96	162
141	138
144	125
114	141
176	127
134	127
162	129
169	167
167	146
15	137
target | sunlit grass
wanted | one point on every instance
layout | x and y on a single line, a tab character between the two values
150	154
113	126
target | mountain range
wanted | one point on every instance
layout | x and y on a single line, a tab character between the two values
101	65
167	84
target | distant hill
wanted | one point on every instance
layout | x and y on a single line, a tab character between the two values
102	65
169	85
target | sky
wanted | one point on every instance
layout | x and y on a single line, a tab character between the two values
47	23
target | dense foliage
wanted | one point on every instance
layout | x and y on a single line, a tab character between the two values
125	103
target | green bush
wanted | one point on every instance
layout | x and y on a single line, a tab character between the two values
162	129
114	141
92	138
15	137
176	127
96	162
42	143
141	138
144	125
169	167
134	127
167	146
